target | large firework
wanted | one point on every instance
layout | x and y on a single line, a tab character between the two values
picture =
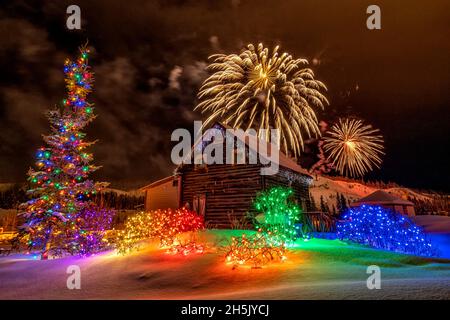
260	90
354	147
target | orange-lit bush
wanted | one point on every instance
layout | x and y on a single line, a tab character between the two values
254	250
164	225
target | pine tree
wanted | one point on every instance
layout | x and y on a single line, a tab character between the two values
312	203
338	202
323	207
343	203
60	188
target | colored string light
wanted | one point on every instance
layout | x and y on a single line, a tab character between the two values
255	250
60	189
280	215
275	231
382	228
164	225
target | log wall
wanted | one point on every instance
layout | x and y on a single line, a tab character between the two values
300	187
231	189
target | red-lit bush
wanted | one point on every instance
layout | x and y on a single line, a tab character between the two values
164	225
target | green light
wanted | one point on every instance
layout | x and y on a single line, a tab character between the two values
280	214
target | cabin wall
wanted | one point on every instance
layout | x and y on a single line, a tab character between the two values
162	196
299	183
229	191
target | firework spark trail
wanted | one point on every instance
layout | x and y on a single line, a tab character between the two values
258	90
354	148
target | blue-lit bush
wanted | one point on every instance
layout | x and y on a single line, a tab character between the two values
381	228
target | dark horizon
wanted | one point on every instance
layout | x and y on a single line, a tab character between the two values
149	59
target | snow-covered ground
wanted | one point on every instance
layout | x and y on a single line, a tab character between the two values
317	269
438	229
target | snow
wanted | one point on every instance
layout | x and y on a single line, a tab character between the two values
316	269
433	224
130	193
328	187
438	228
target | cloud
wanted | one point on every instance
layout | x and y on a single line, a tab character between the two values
141	97
214	41
174	76
196	73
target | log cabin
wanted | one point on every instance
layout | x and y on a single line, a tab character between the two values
224	193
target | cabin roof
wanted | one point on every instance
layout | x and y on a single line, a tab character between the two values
158	182
283	159
383	198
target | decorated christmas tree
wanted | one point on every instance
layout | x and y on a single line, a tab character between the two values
60	189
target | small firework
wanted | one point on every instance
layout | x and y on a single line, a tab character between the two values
261	90
353	147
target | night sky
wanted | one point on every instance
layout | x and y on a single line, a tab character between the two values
149	59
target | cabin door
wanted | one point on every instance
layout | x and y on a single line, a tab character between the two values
199	204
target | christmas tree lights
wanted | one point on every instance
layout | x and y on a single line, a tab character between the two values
93	222
382	228
60	188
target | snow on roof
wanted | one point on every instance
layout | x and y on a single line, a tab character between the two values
252	140
382	197
158	182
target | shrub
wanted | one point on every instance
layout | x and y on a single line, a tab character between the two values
254	250
382	228
280	214
164	225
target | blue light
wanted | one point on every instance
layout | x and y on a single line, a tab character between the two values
382	228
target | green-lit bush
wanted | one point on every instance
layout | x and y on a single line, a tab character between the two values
279	214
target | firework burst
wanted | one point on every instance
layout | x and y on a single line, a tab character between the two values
260	90
354	147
